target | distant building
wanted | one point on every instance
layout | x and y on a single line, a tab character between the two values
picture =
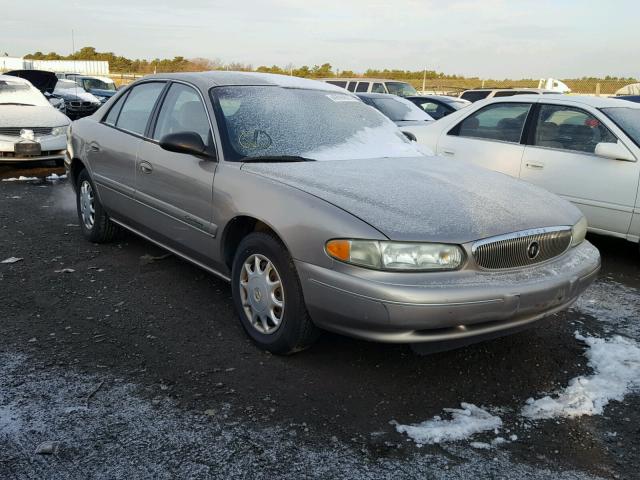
86	67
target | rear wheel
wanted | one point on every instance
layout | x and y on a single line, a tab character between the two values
94	221
268	296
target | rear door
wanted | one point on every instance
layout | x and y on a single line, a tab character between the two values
112	152
560	157
489	137
176	189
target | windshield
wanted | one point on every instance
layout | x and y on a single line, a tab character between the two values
265	121
20	93
67	85
400	110
401	88
91	83
628	119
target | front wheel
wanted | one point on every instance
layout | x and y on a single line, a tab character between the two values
268	296
94	221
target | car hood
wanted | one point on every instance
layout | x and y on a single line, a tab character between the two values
425	198
31	116
42	80
75	94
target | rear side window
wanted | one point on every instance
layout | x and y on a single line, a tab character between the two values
337	83
362	87
137	108
501	121
182	111
474	96
378	88
112	116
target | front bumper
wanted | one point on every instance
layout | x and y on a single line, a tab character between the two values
51	148
447	306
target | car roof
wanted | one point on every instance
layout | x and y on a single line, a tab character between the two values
360	79
592	101
11	78
375	95
206	80
443	98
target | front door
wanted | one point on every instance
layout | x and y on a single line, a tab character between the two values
561	159
176	189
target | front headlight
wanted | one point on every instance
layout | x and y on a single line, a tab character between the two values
55	131
396	256
578	232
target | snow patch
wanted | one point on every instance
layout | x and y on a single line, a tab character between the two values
616	372
21	178
463	424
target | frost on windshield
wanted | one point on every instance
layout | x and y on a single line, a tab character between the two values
319	124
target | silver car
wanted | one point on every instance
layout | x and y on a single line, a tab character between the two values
321	213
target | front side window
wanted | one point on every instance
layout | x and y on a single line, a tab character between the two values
362	87
137	108
500	121
401	89
182	111
378	88
570	128
268	121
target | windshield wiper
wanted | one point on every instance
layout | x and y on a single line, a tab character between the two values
276	159
17	103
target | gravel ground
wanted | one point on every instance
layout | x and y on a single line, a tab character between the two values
133	364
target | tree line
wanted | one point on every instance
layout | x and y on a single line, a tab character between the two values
120	64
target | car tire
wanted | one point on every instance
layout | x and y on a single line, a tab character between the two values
96	225
295	330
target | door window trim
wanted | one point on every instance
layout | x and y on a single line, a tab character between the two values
455	130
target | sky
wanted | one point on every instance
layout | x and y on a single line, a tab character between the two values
490	38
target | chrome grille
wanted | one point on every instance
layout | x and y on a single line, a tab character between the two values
520	249
15	131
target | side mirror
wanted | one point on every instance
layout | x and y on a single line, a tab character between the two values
184	142
615	151
410	136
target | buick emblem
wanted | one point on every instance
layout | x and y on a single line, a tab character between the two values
533	250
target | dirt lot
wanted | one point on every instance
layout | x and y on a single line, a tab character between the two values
134	365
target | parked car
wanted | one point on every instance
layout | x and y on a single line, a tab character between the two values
322	214
373	85
30	128
409	118
631	98
438	106
43	81
585	149
103	88
485	93
78	102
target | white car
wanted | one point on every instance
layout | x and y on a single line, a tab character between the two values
31	129
585	149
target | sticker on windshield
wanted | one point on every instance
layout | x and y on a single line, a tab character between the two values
341	98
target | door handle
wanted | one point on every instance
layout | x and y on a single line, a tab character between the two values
535	165
94	148
448	152
145	167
